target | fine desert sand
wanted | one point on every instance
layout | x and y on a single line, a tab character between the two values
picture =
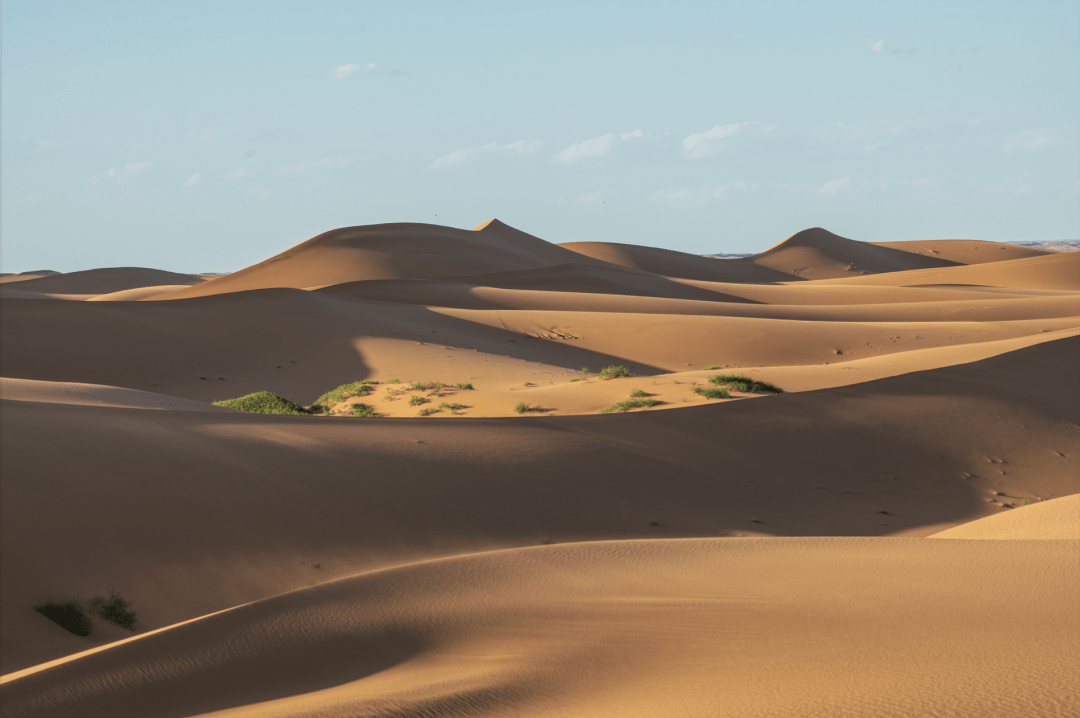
497	532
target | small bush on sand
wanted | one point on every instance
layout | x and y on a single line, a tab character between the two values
624	406
467	387
711	367
263	402
428	412
523	408
417	400
115	609
744	384
637	393
363	411
343	392
69	615
610	372
712	392
454	408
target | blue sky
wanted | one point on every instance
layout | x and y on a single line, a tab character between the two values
206	136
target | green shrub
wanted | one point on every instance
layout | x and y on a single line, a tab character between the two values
711	367
624	406
712	392
115	609
744	383
263	402
468	387
345	391
394	381
610	372
580	378
69	615
452	407
363	411
428	412
638	393
417	400
522	408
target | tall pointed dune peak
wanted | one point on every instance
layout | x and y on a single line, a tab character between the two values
401	250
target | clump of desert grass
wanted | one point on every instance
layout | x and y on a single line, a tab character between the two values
344	392
264	402
625	406
712	392
613	372
114	609
745	384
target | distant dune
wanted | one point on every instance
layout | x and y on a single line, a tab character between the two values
810	254
103	281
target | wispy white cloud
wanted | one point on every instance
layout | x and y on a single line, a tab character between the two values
122	175
342	72
834	186
520	148
1038	139
703	144
878	46
238	174
694	196
594	147
193	180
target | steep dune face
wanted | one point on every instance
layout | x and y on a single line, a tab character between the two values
391	251
104	281
965	251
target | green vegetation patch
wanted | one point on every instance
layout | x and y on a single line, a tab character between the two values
637	393
712	392
711	367
610	372
343	392
363	411
115	609
264	402
467	387
69	615
523	408
624	406
745	384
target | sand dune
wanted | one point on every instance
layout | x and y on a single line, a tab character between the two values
755	554
1059	272
706	627
391	251
104	281
810	254
52	392
965	251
